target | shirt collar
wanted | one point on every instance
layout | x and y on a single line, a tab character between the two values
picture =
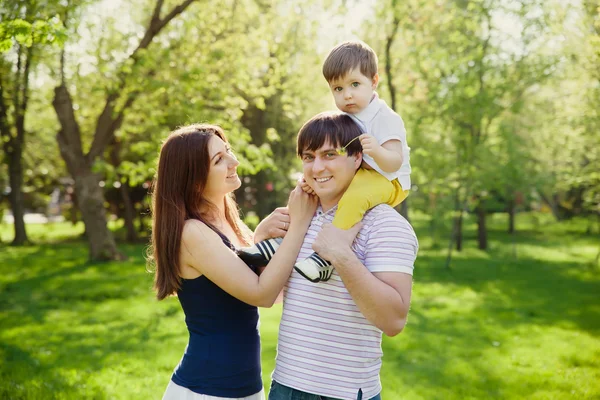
371	110
320	211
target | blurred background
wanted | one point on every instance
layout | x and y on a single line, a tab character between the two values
501	100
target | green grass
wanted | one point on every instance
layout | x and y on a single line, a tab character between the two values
521	321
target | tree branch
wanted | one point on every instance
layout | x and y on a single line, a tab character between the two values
108	122
69	135
388	61
24	89
4	126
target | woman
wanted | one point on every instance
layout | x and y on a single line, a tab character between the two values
196	228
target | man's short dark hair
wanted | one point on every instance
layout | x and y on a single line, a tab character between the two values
336	128
346	56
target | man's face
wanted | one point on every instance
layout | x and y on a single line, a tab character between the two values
329	173
354	91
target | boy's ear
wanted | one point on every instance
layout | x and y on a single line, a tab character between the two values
375	80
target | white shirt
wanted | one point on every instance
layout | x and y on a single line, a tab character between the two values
380	121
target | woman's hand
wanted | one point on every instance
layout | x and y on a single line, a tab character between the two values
305	186
274	225
302	206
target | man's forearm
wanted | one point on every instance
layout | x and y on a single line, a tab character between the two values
378	301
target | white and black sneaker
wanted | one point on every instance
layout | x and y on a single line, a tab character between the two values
315	268
260	254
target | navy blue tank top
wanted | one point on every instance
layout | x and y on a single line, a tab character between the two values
223	354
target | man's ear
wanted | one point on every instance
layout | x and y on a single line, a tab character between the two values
357	161
375	81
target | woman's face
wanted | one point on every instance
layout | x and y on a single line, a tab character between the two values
222	176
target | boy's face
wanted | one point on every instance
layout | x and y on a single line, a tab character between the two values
354	91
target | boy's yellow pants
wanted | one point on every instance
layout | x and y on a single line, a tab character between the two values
367	189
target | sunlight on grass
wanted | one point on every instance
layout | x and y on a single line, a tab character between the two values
498	324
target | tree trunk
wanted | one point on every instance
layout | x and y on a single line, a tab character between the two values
90	200
454	233
390	80
481	227
552	202
459	235
88	194
74	209
132	236
15	167
13	143
511	215
144	210
115	159
404	209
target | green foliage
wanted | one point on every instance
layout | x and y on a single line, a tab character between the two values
500	99
27	33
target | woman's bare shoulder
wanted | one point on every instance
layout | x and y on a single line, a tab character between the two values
198	232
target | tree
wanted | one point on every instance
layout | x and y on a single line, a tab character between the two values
389	41
25	30
459	71
80	163
257	90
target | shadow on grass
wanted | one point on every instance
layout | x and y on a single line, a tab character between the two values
63	319
523	291
46	278
43	381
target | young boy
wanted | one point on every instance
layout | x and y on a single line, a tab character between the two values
384	177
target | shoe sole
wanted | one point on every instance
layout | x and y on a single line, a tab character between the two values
306	277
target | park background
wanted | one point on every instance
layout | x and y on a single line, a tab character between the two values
501	99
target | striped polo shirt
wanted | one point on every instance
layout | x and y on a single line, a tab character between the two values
326	346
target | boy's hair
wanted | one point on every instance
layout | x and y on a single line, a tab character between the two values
348	55
334	127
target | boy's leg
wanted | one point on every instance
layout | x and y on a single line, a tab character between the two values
367	189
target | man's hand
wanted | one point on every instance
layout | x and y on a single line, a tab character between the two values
275	225
333	243
370	145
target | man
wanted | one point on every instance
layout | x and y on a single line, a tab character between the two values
330	333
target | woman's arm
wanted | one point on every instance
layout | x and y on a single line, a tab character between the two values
203	250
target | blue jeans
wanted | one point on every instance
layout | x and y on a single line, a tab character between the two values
281	392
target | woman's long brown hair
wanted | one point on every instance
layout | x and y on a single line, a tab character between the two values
177	196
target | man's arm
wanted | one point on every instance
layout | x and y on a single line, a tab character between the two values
382	297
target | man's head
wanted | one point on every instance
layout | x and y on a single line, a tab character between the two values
326	170
351	72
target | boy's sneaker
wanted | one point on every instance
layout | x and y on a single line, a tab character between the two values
315	268
260	254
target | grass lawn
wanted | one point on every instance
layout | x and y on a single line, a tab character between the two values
521	321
